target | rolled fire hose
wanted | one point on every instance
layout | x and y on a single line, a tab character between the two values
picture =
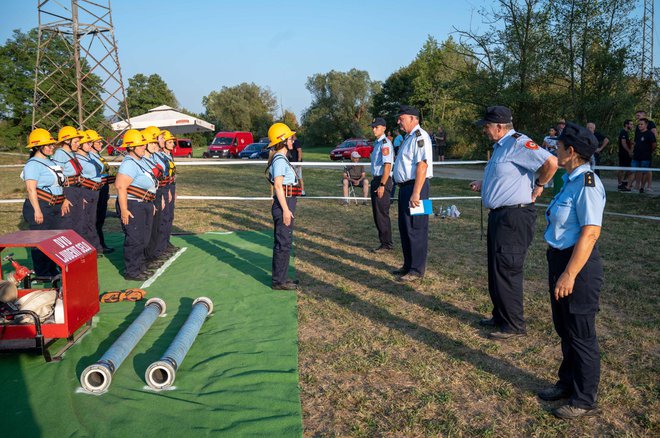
161	374
98	376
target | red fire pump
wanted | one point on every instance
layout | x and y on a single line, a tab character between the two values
76	292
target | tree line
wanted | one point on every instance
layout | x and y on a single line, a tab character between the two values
545	59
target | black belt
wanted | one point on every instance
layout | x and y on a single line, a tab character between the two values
507	207
406	183
553	250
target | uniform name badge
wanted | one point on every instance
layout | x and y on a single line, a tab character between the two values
424	208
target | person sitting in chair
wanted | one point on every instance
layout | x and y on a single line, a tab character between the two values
355	176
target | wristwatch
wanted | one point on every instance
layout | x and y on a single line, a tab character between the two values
382	185
537	183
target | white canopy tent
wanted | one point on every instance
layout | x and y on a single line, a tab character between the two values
165	117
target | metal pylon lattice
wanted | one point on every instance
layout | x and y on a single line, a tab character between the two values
78	77
647	48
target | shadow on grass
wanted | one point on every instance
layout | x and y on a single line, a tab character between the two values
15	398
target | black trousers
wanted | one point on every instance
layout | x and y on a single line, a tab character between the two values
42	265
136	235
414	230
510	232
89	215
283	240
166	220
73	219
101	211
574	318
154	238
381	211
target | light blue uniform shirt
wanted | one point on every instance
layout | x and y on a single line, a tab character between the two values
575	206
509	175
381	155
280	167
97	157
141	173
64	158
43	172
415	148
91	169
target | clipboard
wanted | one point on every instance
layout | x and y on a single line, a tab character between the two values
424	208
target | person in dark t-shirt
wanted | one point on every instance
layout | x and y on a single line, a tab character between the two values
641	114
625	156
645	144
295	156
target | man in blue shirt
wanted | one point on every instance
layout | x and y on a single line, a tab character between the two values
509	190
382	158
412	170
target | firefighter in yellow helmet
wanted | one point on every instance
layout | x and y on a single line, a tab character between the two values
91	182
44	181
283	177
154	136
104	193
164	249
136	190
65	156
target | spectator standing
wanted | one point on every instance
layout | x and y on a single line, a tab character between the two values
561	124
550	141
295	155
441	142
625	156
603	141
641	114
645	144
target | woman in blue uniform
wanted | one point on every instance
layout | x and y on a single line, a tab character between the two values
104	193
167	219
283	178
44	181
575	273
65	156
136	191
153	156
91	181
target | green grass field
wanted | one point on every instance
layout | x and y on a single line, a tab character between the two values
377	358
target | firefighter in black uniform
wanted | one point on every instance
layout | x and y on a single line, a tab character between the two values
575	273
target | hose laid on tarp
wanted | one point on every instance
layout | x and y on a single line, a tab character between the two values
161	374
98	376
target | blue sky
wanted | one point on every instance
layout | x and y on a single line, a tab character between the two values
198	46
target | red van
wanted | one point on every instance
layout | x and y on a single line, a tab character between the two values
228	144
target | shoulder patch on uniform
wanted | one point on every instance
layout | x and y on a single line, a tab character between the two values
516	135
386	151
418	133
420	143
531	145
589	180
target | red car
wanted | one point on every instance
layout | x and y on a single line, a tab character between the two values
183	148
343	152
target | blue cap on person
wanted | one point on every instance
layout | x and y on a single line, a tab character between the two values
496	114
408	110
378	121
582	140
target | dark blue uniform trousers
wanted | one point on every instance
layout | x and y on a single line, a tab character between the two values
283	240
42	265
381	210
73	219
166	220
414	230
88	226
154	238
101	211
136	235
510	232
574	318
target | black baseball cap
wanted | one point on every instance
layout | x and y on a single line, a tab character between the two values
582	140
496	114
408	110
378	121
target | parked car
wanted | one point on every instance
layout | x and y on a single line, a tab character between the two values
253	150
183	148
228	144
343	152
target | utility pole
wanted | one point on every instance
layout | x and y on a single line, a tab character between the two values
647	49
81	86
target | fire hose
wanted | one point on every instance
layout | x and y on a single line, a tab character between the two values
98	376
161	374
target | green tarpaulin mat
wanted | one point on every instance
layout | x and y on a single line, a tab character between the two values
240	377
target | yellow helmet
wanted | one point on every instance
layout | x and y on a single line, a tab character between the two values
93	135
167	135
278	133
133	138
151	133
67	133
86	138
40	137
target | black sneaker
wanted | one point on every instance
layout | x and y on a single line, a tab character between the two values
400	271
641	190
554	393
289	285
624	189
382	248
107	250
490	322
568	412
139	277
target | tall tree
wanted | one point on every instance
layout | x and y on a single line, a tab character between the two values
244	107
340	108
146	92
